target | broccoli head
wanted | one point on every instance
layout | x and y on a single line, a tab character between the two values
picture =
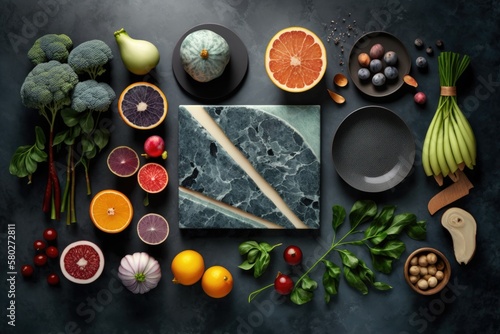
50	47
92	95
48	86
90	58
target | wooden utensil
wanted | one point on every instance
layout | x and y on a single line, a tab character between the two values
457	190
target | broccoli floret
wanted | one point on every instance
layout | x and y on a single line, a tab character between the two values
48	88
50	47
90	58
92	95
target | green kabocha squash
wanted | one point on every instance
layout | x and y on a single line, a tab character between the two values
204	55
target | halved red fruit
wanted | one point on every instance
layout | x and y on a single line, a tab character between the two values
82	262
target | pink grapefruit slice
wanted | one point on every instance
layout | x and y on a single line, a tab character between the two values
152	229
82	262
123	161
152	177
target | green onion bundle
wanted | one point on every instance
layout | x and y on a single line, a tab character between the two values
449	144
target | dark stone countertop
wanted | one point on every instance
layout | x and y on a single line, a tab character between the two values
470	302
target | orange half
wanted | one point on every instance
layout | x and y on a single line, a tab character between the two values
295	59
111	211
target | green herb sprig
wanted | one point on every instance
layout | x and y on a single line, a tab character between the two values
257	256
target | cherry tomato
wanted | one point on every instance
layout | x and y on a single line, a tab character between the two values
27	270
50	234
40	259
52	252
39	245
283	284
292	255
53	279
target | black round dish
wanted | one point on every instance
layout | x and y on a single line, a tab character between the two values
373	149
233	75
390	43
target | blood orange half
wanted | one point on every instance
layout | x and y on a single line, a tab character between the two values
123	161
152	229
142	105
295	59
111	211
152	177
82	262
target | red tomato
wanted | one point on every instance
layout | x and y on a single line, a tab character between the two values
40	259
27	270
292	255
283	284
52	252
53	279
50	234
39	245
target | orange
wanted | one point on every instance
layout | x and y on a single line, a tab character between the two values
188	267
217	282
295	59
111	211
142	105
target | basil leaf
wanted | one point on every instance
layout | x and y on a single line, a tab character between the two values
38	155
70	117
264	246
331	279
392	249
39	138
338	216
60	137
365	273
308	284
400	222
246	265
355	281
261	264
382	264
300	296
417	231
252	255
101	138
246	246
380	221
361	211
30	164
381	286
348	258
87	123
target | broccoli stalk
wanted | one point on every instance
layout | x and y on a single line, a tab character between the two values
89	99
90	58
47	88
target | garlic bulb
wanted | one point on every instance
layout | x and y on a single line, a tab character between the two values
139	272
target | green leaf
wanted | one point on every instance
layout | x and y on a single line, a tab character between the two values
381	286
246	246
70	117
87	123
39	138
246	265
308	284
418	230
361	211
381	263
348	258
252	255
400	222
391	248
300	296
38	155
380	221
101	138
60	137
261	264
338	216
331	279
264	246
30	164
365	273
87	145
355	281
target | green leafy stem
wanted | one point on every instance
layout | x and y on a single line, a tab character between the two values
381	238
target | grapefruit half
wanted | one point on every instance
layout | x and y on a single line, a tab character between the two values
82	262
152	177
295	59
142	105
123	161
152	229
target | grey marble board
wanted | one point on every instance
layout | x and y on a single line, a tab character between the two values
249	166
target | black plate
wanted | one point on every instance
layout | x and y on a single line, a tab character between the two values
390	43
231	77
373	149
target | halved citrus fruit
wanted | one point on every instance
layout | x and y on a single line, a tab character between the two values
152	229
142	105
217	282
152	177
82	262
188	267
295	59
123	161
111	211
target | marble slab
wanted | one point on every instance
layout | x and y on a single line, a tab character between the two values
250	167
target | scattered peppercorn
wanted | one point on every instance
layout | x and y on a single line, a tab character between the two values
440	43
419	43
429	50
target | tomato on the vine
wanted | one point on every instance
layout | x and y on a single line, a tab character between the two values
40	259
292	255
53	279
283	284
50	234
27	270
52	252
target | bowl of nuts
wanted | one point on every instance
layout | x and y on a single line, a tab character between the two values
427	271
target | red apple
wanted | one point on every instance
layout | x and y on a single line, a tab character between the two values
154	147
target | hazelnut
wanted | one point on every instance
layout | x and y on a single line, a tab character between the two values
431	258
422	261
422	284
414	270
413	279
439	275
432	282
432	269
423	271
